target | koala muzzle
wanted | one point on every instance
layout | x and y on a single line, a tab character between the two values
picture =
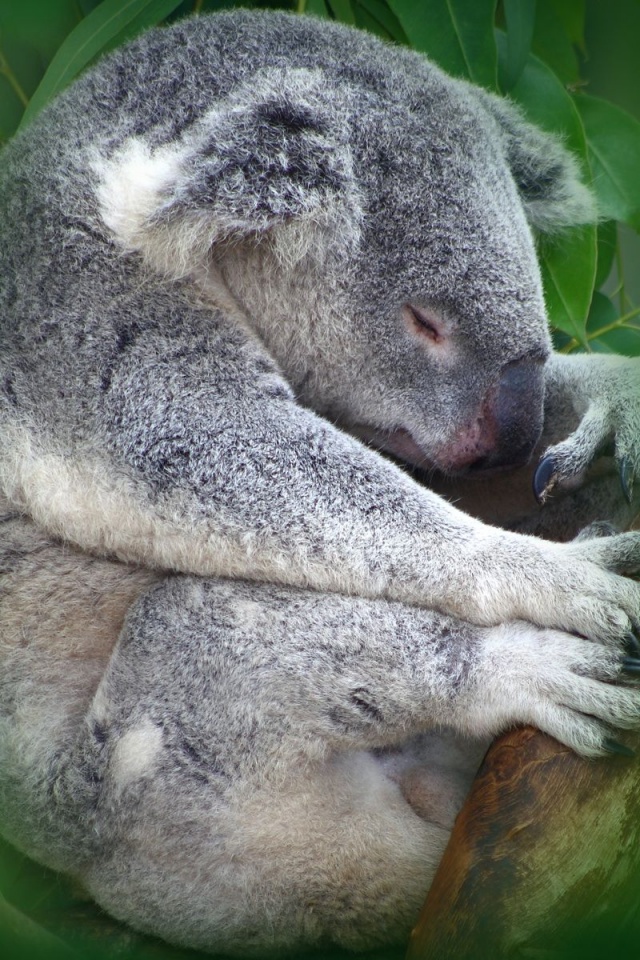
510	421
506	427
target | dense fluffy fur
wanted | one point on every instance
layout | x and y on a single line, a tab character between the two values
232	252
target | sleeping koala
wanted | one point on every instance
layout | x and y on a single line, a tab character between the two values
242	259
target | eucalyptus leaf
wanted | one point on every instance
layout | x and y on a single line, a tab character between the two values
546	102
613	140
380	19
42	24
568	262
552	43
571	14
520	18
342	10
92	36
602	313
457	34
607	245
624	340
568	266
317	7
608	333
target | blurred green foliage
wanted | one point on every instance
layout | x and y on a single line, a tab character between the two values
533	50
536	51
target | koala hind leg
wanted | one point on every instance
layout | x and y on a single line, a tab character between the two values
239	787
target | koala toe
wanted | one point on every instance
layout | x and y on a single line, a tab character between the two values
583	734
627	477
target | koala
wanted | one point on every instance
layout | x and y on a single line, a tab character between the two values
260	275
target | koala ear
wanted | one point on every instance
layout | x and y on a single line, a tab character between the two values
276	150
546	174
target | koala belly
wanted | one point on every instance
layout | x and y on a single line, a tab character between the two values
176	746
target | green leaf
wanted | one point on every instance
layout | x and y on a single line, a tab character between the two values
607	245
376	16
602	314
520	18
41	24
113	20
317	7
546	102
568	262
624	340
606	331
613	140
568	266
571	14
551	41
342	11
457	34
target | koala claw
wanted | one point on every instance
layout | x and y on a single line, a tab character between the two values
631	665
632	644
627	477
612	746
545	478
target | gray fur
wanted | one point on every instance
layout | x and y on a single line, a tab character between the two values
235	258
254	768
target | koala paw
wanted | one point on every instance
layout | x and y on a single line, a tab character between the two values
576	587
610	389
572	689
587	593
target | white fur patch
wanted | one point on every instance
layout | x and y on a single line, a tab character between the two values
136	753
132	186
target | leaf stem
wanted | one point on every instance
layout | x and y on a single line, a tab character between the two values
615	324
14	83
608	327
197	7
301	6
620	272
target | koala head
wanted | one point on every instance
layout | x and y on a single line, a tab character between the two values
374	219
415	316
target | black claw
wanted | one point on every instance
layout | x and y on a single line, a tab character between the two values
544	478
612	746
630	665
627	477
632	644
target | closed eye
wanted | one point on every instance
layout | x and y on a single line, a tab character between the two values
423	321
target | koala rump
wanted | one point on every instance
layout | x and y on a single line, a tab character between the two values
230	253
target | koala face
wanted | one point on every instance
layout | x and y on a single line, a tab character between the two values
448	298
427	337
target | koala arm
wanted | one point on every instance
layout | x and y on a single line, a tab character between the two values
207	464
592	401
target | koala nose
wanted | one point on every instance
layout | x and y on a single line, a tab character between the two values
513	415
506	426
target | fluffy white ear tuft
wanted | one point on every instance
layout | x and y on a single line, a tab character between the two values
132	185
